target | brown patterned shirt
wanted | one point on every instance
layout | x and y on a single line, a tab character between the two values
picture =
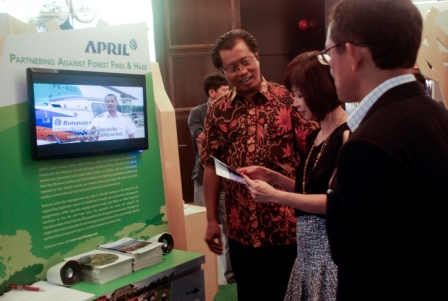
256	132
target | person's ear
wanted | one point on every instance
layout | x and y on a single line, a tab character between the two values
257	60
211	93
356	55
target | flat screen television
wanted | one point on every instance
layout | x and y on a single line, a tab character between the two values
83	113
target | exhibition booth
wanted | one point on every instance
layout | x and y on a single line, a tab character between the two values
67	186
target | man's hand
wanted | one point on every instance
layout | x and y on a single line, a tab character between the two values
213	238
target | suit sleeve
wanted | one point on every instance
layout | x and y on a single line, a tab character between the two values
196	123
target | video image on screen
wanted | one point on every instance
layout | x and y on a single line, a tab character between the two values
84	113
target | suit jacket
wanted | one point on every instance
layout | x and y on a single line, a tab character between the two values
385	221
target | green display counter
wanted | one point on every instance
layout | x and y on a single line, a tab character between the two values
178	277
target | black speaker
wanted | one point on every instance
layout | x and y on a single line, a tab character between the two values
65	273
166	239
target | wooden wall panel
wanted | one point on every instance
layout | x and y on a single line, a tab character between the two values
188	72
273	67
314	37
275	27
199	21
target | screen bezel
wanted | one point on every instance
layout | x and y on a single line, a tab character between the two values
83	149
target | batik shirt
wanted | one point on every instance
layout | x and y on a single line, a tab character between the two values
265	131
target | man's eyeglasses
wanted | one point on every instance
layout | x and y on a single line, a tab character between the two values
235	69
324	56
224	92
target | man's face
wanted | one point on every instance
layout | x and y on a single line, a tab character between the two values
111	104
338	69
84	11
247	79
346	80
300	104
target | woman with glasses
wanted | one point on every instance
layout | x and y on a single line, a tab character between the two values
314	275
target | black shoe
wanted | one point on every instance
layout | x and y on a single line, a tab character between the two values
231	280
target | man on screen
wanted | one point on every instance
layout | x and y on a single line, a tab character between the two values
111	125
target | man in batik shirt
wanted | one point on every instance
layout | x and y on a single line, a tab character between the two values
254	124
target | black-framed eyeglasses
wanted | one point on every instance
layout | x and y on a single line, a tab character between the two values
235	69
324	56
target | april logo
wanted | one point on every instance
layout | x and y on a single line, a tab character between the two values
110	48
133	44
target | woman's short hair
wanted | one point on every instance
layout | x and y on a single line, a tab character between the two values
315	83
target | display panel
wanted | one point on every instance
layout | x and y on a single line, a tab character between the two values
81	113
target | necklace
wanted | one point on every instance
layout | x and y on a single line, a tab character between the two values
324	144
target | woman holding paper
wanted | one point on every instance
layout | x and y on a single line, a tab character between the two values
314	275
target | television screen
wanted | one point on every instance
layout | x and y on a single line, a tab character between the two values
82	113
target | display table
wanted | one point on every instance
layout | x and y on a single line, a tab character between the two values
178	277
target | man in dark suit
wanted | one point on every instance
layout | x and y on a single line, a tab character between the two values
385	221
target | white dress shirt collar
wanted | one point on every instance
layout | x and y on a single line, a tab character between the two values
355	118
